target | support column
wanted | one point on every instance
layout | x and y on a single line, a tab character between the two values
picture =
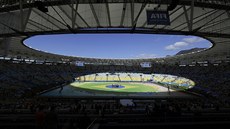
191	16
5	45
21	15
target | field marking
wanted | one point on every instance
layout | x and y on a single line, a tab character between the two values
132	86
82	91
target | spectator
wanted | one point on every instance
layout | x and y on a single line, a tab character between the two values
51	119
40	116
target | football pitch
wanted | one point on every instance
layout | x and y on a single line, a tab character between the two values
127	87
114	89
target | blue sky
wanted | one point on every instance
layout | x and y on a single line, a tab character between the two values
115	45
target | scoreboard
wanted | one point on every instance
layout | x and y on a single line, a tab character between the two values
79	63
146	64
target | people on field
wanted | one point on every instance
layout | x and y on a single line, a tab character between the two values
61	88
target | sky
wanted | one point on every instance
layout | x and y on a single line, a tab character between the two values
115	46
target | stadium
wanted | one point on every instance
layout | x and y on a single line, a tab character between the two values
48	90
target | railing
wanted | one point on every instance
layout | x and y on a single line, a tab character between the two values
220	2
90	125
29	3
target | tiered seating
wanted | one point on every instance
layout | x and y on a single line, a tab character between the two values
18	79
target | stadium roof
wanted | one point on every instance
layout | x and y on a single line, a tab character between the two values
20	19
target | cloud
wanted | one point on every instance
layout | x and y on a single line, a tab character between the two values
193	39
176	46
180	44
183	43
144	55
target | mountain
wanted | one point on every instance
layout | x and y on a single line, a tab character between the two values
190	51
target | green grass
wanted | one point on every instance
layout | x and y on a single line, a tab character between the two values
101	87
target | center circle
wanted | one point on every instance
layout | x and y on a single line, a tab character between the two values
115	86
